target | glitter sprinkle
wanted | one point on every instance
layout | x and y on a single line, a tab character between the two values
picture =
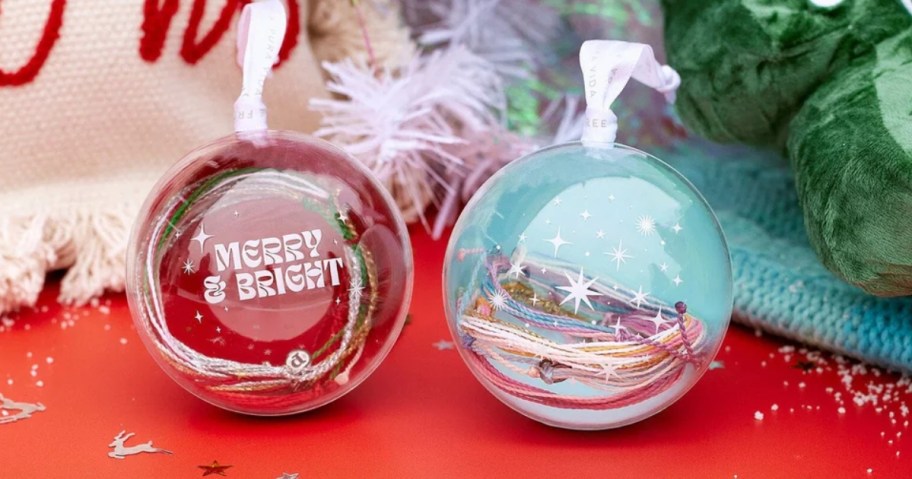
758	415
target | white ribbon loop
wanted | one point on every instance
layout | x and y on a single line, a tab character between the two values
607	67
261	30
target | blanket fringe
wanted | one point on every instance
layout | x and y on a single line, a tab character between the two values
90	242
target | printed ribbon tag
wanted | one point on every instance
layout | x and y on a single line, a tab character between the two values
261	30
607	67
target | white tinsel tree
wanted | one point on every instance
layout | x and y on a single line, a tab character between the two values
404	124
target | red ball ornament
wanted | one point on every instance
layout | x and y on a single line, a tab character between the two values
269	273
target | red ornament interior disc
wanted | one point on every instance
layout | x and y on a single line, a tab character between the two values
269	274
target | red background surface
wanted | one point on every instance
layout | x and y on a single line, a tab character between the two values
421	414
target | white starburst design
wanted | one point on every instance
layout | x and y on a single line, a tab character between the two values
585	214
522	238
201	237
499	300
188	266
557	201
534	300
658	320
663	267
557	241
677	280
677	228
639	297
611	197
599	234
516	269
198	317
646	225
579	291
619	254
618	327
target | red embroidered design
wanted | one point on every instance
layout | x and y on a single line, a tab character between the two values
156	21
191	51
291	33
157	17
46	43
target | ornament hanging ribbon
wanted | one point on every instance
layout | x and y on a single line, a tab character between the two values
607	67
261	30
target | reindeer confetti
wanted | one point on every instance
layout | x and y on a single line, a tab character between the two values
25	410
120	450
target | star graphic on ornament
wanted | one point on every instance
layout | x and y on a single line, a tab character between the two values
619	254
201	237
178	233
618	327
646	225
198	317
342	217
599	234
534	299
677	228
608	370
516	269
663	267
611	197
499	300
444	345
357	287
286	475
188	266
677	280
639	297
585	214
557	241
522	238
658	320
579	291
214	468
557	201
218	329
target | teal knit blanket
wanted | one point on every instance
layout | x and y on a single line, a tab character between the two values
780	285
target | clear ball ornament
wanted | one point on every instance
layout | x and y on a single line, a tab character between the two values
269	273
588	287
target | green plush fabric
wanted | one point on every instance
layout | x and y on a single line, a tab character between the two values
851	149
831	87
748	65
